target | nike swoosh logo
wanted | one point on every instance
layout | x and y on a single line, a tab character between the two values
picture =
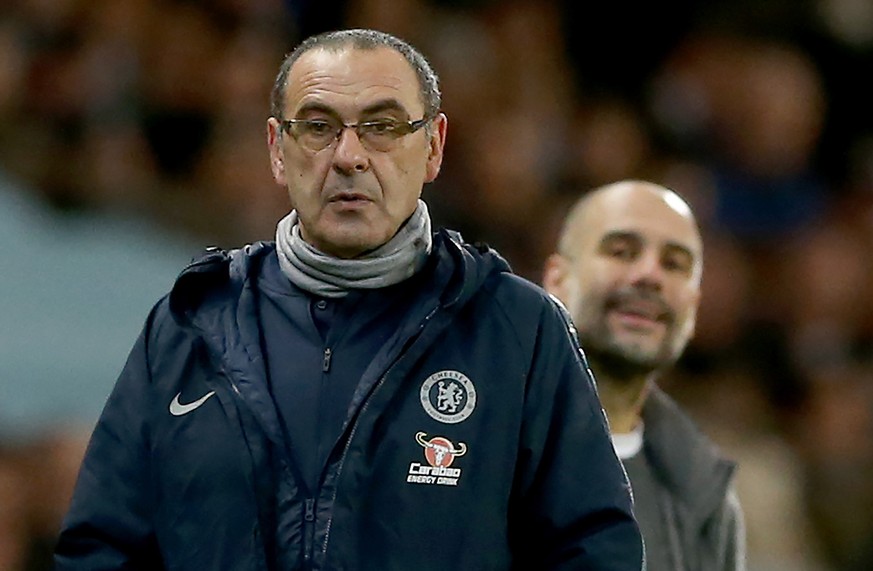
178	409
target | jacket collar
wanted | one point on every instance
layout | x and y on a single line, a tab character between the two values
688	463
466	266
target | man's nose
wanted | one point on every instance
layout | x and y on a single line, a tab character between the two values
349	155
648	270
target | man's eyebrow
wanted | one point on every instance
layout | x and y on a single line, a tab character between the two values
383	105
630	235
376	107
312	106
620	235
681	248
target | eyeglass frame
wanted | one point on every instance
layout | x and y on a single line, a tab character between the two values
409	127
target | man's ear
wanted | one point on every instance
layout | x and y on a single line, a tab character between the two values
555	273
277	157
437	143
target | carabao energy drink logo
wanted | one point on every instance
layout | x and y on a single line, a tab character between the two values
439	453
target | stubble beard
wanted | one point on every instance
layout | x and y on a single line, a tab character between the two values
624	363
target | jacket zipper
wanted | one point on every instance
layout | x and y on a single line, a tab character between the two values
325	362
308	528
355	426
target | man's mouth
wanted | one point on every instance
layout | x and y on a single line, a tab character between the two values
640	313
636	321
348	197
349	200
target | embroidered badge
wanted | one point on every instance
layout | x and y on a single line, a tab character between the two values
439	453
448	396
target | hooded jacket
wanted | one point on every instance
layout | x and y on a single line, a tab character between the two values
474	440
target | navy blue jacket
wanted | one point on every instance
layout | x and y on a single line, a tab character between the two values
475	440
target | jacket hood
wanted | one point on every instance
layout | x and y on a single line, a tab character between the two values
470	264
213	276
217	276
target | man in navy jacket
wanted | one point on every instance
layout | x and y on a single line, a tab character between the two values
361	393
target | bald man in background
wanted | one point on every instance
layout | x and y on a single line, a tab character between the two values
628	268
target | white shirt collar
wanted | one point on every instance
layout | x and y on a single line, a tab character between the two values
628	444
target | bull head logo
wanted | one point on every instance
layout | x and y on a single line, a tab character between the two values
440	451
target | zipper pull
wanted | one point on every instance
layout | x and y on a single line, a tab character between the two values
309	510
308	529
325	363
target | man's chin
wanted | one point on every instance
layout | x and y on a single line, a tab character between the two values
351	240
624	365
345	249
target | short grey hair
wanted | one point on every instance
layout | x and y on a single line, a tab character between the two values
361	39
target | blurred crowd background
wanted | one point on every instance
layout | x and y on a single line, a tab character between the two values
132	135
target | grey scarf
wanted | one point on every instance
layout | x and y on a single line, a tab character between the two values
327	276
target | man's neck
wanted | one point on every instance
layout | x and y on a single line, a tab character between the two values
623	400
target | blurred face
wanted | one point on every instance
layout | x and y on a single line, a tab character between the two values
631	279
349	198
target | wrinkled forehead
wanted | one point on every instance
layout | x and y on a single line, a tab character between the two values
349	80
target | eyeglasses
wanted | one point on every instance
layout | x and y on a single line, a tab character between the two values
317	134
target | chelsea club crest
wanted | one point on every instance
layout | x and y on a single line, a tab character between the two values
448	396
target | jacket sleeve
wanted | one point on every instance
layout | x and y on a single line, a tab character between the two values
108	525
574	509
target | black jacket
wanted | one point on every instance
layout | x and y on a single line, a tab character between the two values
475	440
